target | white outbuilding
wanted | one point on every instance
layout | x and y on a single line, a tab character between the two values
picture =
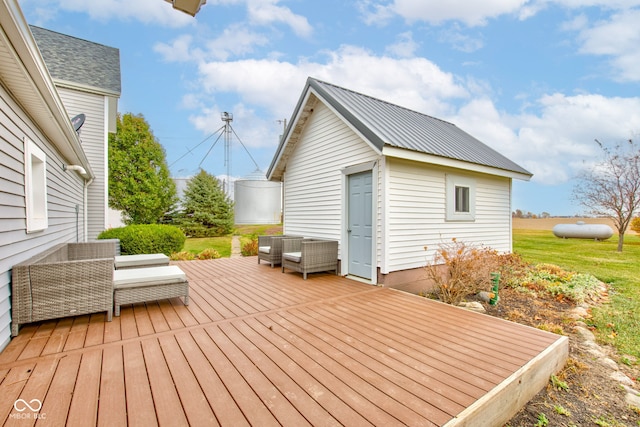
386	182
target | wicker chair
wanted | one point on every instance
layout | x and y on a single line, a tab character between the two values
270	248
309	255
63	281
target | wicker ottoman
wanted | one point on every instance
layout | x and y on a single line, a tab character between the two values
122	262
136	285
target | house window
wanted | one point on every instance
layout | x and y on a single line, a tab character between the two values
35	163
461	193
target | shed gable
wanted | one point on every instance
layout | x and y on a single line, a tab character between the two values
313	190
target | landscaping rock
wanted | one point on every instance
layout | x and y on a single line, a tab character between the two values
578	313
585	334
607	362
622	379
588	339
473	306
485	296
633	399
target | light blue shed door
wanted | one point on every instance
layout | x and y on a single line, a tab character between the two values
360	224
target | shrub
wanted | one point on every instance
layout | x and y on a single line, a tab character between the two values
577	287
198	230
459	269
146	238
182	256
209	254
635	224
250	248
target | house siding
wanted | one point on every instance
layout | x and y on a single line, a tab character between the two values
64	193
416	213
313	193
93	136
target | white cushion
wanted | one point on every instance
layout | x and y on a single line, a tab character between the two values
293	256
122	261
134	277
264	249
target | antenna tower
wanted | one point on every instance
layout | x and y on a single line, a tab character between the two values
227	118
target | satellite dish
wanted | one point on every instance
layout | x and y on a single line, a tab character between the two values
78	121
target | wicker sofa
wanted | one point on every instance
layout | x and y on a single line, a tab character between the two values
309	255
68	279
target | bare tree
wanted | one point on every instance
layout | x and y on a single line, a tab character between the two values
611	188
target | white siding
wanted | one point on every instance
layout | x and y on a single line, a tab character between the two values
94	142
64	192
313	188
416	208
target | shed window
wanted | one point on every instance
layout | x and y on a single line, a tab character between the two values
460	197
35	164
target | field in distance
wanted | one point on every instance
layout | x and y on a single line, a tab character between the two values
549	223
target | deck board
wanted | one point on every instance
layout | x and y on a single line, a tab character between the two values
84	401
58	399
140	406
112	409
260	347
168	407
196	409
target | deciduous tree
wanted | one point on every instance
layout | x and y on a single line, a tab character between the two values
139	181
611	187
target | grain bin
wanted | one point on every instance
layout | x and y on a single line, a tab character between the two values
257	200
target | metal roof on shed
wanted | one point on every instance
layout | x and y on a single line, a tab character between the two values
394	131
386	124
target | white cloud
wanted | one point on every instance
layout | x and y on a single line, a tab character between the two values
472	13
555	142
275	85
618	38
405	47
179	50
266	12
580	4
157	12
460	41
235	40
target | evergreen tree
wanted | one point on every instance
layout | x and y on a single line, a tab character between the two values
207	209
139	181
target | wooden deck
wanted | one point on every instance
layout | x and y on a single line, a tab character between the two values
259	347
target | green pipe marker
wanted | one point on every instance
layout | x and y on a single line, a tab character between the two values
495	278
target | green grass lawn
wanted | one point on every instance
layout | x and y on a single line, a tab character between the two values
223	244
618	322
220	244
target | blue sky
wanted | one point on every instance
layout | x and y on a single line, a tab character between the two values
538	80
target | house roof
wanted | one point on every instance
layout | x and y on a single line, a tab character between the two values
25	75
79	62
391	128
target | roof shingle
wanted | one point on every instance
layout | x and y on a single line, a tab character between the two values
79	61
